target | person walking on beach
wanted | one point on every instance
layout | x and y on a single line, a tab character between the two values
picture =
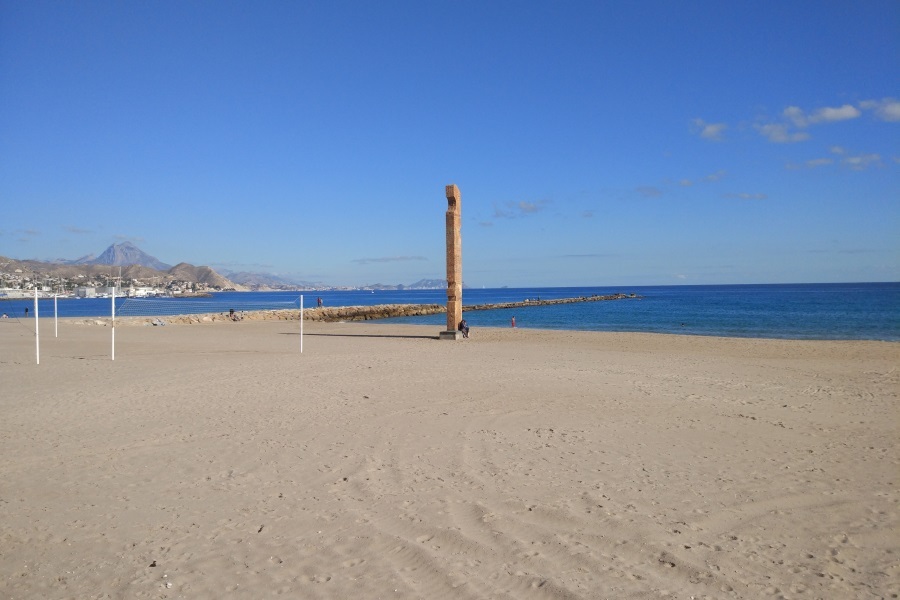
512	322
319	302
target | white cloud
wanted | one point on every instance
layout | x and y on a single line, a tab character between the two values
886	109
715	176
825	114
819	162
528	207
796	116
511	210
839	150
862	161
832	115
710	131
780	134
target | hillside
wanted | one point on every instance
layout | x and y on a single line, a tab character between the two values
107	268
187	272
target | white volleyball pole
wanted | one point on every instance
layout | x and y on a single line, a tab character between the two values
37	331
301	323
55	316
114	324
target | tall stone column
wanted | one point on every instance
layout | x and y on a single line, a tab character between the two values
454	263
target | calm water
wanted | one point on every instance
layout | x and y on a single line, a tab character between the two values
866	311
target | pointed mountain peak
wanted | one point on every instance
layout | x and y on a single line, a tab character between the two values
126	253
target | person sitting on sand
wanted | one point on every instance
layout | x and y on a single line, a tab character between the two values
464	327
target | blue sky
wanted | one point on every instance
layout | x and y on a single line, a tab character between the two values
594	143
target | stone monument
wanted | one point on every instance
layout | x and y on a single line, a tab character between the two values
454	265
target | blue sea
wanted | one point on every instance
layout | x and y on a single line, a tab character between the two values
840	311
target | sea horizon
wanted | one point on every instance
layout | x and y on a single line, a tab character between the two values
862	310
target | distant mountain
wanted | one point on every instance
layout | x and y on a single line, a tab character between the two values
268	281
427	284
422	284
132	263
84	260
187	272
124	254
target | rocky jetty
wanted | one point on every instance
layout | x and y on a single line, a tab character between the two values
343	313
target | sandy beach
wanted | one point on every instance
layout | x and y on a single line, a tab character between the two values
214	460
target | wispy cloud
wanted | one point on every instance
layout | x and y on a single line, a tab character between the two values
512	210
886	109
591	255
819	162
795	121
714	132
77	230
242	266
649	191
861	161
129	238
826	114
746	196
25	235
855	162
387	259
843	251
780	133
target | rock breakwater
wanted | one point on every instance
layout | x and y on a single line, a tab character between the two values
340	313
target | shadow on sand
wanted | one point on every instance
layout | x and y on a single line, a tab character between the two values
366	335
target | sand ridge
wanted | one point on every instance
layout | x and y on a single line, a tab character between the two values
214	460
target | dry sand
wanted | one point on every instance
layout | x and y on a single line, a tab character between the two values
214	460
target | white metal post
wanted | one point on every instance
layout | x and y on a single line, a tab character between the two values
55	316
301	323
114	324
37	331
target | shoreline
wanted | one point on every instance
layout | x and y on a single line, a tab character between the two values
361	317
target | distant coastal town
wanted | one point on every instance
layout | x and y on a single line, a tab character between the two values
125	270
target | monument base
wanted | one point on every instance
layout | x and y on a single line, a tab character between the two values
451	335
